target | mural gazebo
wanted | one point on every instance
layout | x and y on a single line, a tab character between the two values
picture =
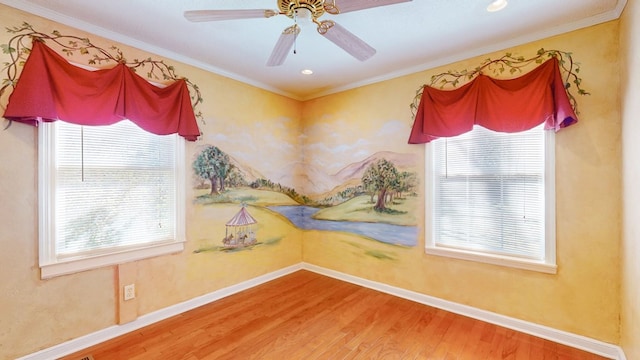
240	230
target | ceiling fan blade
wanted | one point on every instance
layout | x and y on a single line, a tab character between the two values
350	43
219	15
283	46
342	6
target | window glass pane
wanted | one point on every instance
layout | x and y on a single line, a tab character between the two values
489	192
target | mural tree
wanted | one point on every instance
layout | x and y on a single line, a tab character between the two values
235	178
407	181
368	182
381	177
213	164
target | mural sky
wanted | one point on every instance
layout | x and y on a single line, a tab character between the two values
270	145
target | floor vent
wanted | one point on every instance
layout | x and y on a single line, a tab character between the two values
88	357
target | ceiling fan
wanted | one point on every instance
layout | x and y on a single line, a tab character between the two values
303	9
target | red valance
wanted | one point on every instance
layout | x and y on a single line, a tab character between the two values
501	105
52	89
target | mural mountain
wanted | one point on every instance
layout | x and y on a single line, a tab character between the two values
317	184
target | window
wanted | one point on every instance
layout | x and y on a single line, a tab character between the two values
491	198
107	195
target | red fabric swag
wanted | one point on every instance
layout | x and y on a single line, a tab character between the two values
51	89
500	105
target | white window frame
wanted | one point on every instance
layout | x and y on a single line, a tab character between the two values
547	265
50	264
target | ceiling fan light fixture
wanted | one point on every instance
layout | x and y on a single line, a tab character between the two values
497	5
306	72
303	16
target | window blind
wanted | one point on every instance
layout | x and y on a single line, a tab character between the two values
489	192
114	188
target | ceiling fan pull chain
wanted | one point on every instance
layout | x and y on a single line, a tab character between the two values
295	33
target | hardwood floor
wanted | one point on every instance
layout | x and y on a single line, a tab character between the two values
309	316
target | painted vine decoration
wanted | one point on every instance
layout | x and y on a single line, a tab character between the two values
513	65
19	49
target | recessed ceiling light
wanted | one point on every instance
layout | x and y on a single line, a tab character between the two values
497	5
307	72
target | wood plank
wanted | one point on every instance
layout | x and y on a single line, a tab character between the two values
313	317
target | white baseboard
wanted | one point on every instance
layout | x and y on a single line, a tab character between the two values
111	332
576	341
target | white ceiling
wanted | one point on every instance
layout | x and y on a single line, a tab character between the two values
408	37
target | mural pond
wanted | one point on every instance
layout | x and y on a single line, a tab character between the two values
302	217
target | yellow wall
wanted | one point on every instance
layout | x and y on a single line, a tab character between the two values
36	314
630	91
583	297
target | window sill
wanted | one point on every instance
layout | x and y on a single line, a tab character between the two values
70	266
506	261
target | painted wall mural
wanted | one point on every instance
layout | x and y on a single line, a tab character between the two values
372	195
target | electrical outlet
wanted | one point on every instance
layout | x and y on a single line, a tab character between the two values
129	292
